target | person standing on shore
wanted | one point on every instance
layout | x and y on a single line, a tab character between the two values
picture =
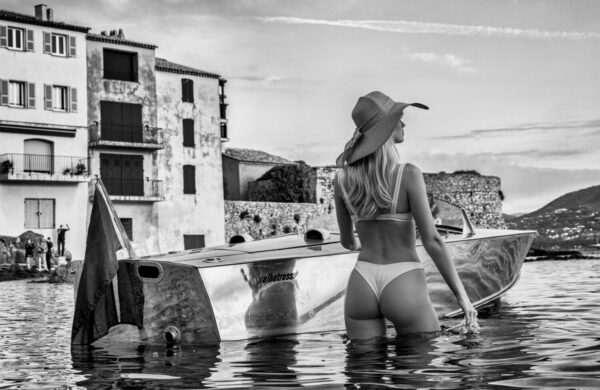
49	246
62	231
41	250
29	250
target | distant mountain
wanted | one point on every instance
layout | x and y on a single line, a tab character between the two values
511	217
571	221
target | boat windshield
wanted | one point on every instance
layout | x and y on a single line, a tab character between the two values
447	217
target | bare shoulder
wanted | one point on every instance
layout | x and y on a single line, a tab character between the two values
412	172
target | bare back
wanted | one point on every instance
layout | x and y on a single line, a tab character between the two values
388	241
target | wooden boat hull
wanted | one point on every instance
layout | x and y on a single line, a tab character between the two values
285	286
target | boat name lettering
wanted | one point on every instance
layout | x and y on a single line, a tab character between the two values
270	277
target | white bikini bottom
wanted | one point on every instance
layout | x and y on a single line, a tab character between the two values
378	276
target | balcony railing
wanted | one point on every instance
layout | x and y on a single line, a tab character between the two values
138	188
107	134
14	163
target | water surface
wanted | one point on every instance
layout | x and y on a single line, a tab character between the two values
545	333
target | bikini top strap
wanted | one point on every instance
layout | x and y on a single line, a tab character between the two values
345	196
397	187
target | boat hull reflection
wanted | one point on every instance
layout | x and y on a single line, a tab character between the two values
244	293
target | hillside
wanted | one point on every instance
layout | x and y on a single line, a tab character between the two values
571	221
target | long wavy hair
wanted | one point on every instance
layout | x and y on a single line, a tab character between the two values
368	181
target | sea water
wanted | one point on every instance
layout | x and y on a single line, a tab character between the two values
544	333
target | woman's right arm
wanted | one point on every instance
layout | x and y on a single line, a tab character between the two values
344	220
433	242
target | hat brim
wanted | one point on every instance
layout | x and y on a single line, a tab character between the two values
375	136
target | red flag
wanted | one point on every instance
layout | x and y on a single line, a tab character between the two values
97	303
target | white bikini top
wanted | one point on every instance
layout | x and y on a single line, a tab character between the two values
400	217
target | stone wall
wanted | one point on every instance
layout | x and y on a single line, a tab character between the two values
479	195
266	219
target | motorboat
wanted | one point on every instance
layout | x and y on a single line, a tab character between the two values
289	284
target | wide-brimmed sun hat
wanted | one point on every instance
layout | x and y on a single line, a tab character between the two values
375	116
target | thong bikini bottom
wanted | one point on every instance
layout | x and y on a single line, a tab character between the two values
378	276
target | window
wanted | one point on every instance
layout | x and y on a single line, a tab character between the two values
189	179
38	156
59	45
128	226
193	241
59	98
121	122
187	90
55	44
122	174
120	65
15	38
39	213
16	93
188	132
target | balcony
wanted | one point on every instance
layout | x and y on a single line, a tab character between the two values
43	167
124	136
134	190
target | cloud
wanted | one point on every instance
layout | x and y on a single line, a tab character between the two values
265	79
461	65
561	126
411	27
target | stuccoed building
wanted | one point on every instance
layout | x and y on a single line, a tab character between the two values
43	126
155	141
191	114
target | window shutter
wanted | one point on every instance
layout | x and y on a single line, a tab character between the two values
47	97
73	99
134	67
189	179
3	36
29	40
187	90
46	214
4	92
72	46
188	132
31	95
47	42
31	214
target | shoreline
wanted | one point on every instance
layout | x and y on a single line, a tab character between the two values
57	275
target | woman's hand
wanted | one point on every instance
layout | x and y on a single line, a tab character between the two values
470	314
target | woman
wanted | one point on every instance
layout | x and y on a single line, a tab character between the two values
383	200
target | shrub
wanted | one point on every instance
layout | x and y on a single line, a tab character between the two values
294	183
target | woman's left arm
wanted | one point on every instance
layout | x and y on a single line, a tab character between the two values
344	220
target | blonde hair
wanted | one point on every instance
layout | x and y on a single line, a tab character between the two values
368	181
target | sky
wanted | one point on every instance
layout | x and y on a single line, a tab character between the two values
512	86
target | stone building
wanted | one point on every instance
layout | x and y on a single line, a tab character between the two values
241	166
43	126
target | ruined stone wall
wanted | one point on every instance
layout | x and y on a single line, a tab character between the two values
479	195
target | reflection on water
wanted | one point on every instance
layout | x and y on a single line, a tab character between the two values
544	333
